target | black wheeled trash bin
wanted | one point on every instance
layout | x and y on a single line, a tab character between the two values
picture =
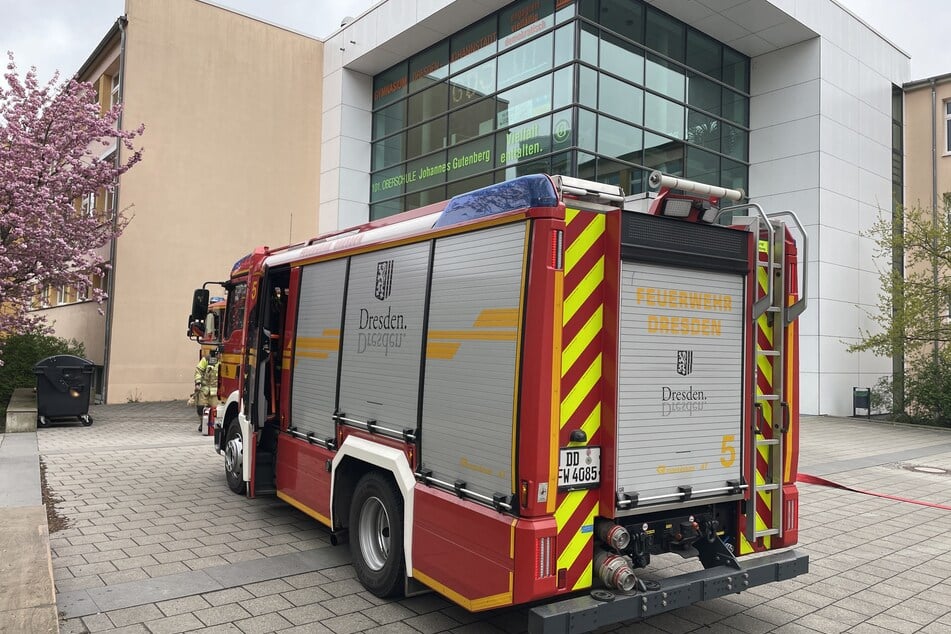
63	386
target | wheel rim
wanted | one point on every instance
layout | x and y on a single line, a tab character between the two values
374	533
234	455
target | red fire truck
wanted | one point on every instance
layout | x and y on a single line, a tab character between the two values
528	391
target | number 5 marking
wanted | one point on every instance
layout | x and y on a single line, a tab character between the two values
727	450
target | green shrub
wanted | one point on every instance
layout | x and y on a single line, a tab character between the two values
928	390
21	353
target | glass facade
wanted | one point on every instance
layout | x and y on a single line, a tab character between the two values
602	89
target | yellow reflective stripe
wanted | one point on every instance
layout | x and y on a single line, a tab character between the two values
584	290
586	240
590	426
473	335
568	507
319	343
581	341
473	605
580	390
437	350
765	367
497	318
304	508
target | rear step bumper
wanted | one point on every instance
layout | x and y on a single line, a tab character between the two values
586	613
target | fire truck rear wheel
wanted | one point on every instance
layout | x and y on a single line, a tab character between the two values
376	535
234	459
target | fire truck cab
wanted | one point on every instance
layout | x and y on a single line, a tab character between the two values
527	392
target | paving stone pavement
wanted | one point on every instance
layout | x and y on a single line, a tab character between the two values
156	542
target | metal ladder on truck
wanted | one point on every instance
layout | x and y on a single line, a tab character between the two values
773	315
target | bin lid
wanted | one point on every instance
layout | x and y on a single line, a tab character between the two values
63	361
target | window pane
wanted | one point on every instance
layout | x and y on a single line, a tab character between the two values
525	61
621	100
471	121
619	140
428	103
525	101
564	83
623	59
561	164
469	184
665	34
564	10
425	138
588	9
473	84
470	158
389	119
524	142
389	85
734	142
521	20
703	166
947	135
627	177
665	77
736	70
425	172
703	53
561	137
736	107
663	116
472	45
586	166
387	183
734	175
587	128
565	44
623	17
534	166
426	197
703	130
588	87
384	209
429	67
388	152
703	93
589	44
663	154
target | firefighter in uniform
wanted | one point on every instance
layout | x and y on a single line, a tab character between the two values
206	383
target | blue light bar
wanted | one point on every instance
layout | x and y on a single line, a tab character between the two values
535	190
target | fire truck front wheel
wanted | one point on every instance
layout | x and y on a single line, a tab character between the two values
376	535
234	458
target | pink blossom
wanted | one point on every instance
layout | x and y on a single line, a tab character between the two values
51	137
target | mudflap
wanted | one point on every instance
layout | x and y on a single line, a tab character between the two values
600	608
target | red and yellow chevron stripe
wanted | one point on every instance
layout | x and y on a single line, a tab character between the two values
764	385
581	383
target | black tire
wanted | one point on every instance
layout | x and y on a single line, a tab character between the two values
42	421
87	420
376	535
234	459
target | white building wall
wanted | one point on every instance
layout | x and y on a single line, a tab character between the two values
820	144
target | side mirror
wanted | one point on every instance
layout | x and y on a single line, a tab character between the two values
196	321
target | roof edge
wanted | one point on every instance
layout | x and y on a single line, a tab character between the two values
927	81
111	34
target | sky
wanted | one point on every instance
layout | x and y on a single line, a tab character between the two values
60	34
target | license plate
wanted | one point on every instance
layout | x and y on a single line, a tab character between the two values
579	467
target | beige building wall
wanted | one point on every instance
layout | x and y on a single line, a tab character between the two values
231	107
918	142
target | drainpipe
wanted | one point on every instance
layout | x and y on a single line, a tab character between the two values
934	209
111	286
